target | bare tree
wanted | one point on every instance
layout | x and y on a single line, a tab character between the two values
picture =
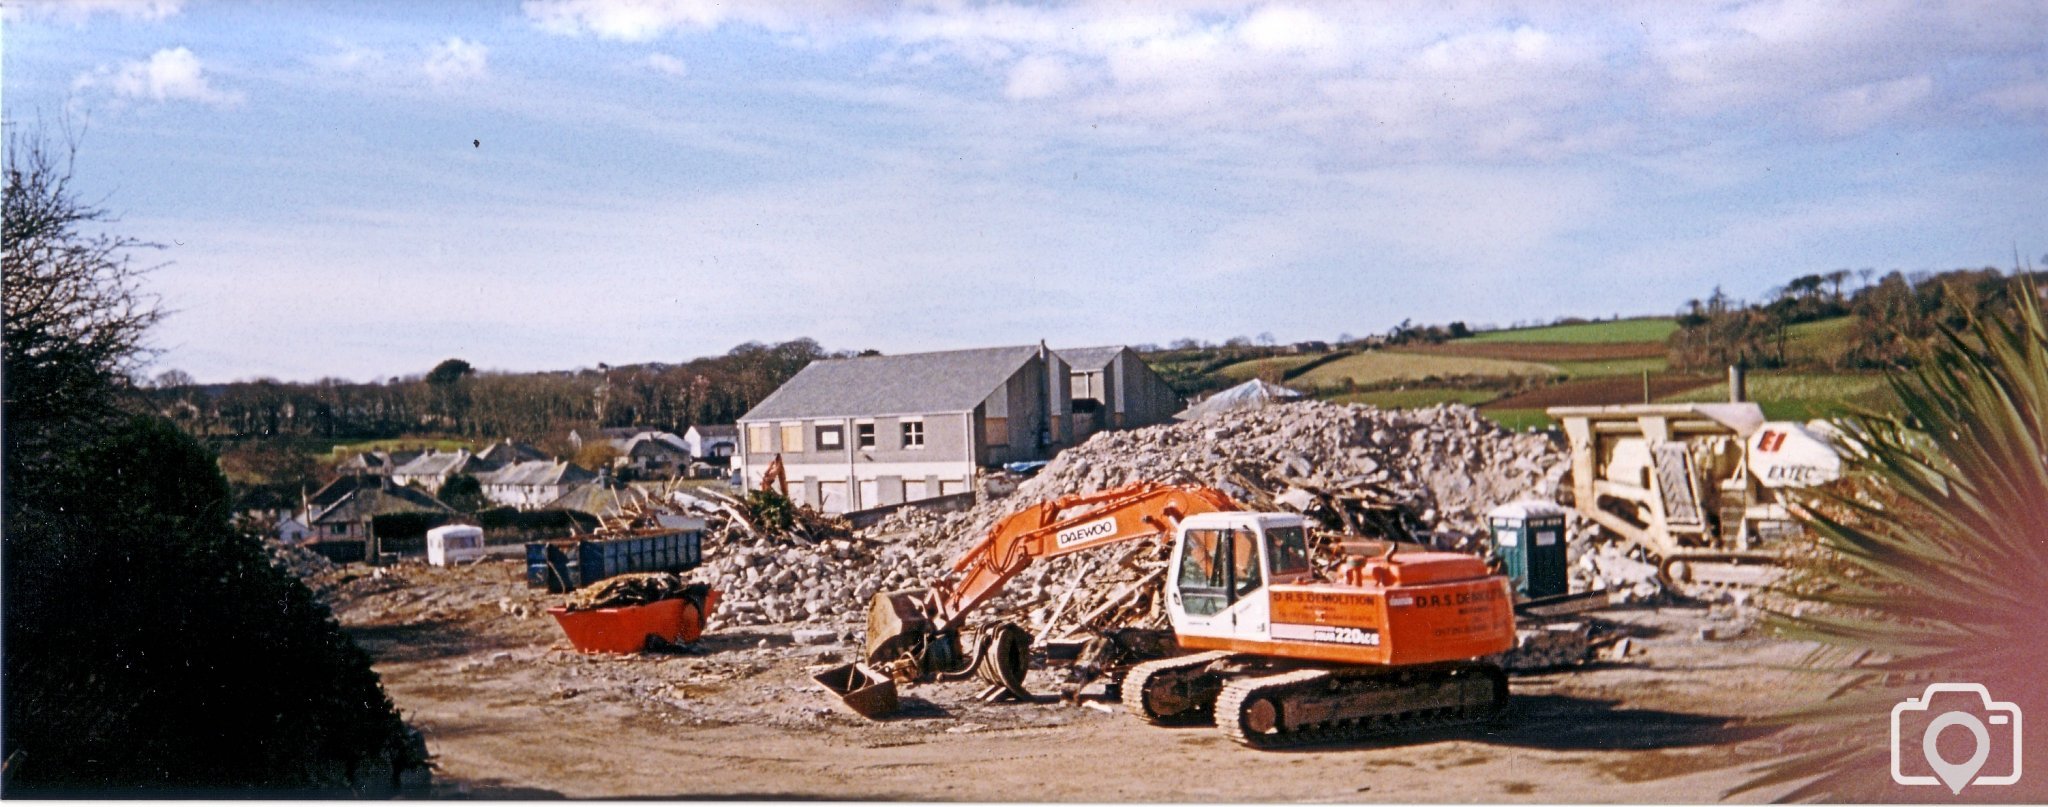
75	312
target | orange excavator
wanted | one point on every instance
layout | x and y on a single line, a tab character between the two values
1276	650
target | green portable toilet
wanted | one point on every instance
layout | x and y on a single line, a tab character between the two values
1528	537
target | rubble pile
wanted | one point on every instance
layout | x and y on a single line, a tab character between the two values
782	579
294	560
1609	568
1445	465
1549	645
1441	468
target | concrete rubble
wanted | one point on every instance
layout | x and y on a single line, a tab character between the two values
1441	468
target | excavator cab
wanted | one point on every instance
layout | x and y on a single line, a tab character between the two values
1222	563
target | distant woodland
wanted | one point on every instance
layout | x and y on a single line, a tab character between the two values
453	399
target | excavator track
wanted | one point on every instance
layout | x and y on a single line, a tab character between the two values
1315	706
1166	681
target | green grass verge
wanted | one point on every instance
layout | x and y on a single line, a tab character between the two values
1417	398
1379	366
1648	329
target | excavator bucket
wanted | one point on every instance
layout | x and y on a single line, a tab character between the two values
868	693
896	625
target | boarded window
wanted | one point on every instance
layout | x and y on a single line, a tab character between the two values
757	439
998	431
792	437
831	438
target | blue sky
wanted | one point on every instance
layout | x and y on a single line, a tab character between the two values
665	179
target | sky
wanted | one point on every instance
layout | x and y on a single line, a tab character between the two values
362	189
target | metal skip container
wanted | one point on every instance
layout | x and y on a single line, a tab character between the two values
1528	537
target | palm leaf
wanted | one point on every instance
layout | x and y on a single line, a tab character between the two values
1936	557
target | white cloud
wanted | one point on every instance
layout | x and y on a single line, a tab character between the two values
1858	108
349	58
455	60
1035	77
172	74
78	12
2025	97
666	65
642	20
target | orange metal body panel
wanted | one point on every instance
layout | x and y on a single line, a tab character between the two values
625	630
1388	625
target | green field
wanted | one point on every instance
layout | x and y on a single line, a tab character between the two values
1610	367
1252	368
1648	329
1803	396
1379	366
1417	398
402	444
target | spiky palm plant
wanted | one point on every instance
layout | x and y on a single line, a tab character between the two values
1936	563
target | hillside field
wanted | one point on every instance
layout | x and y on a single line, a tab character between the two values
1645	329
1384	366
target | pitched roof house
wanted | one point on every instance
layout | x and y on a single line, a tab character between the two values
1114	388
712	440
532	484
349	510
432	469
878	430
506	451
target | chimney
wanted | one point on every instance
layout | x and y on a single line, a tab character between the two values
1738	384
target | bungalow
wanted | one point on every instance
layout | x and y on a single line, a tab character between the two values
375	463
878	430
531	485
349	511
432	469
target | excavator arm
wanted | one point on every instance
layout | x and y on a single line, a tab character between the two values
920	626
1130	513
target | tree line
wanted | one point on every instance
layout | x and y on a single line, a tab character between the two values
1897	318
456	400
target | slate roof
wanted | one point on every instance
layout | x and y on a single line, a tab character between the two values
909	384
334	491
1089	359
505	451
379	501
436	464
596	498
655	441
537	472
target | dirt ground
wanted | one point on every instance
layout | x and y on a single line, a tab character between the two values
510	711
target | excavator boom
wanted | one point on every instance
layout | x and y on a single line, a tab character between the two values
903	623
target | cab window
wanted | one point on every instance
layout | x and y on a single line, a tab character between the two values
1204	572
1244	565
1288	547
